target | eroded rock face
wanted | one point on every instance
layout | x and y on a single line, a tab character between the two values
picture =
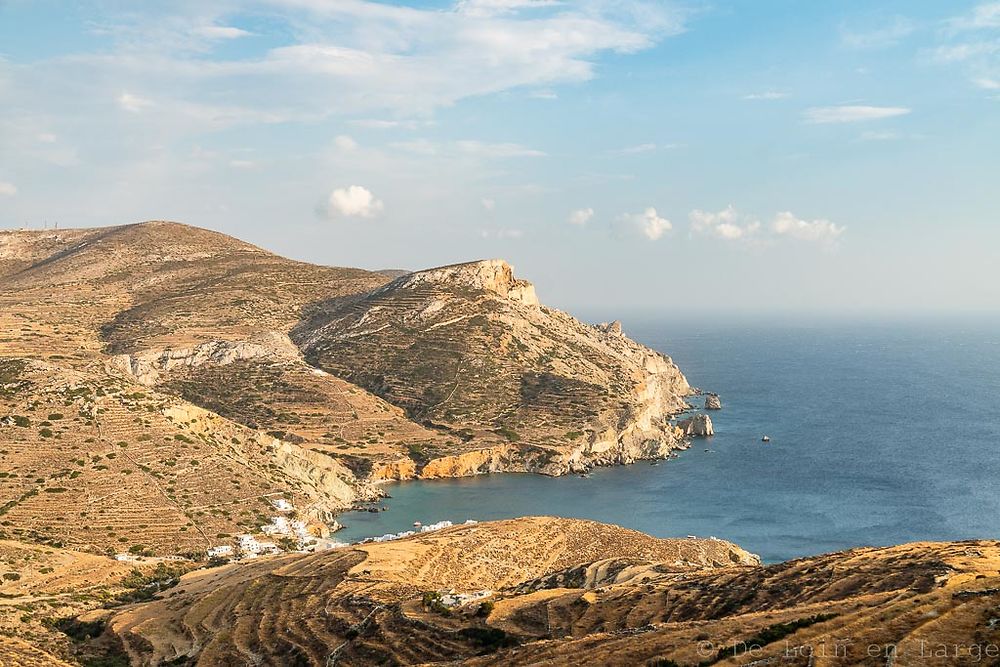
494	275
712	402
698	425
147	367
612	328
469	349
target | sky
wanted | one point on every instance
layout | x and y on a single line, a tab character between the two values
726	156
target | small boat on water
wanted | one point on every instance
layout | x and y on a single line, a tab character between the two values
417	524
766	438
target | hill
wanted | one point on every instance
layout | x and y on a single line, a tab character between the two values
469	350
163	387
564	592
365	605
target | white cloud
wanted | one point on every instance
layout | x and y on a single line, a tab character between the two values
983	16
881	37
581	216
851	113
635	150
649	223
345	144
974	41
494	7
221	32
766	95
818	231
242	164
955	53
725	224
357	57
133	103
544	95
46	137
7	189
384	124
488	204
353	202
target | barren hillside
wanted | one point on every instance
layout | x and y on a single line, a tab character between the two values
365	604
469	349
554	591
152	399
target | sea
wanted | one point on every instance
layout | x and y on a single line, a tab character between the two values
881	432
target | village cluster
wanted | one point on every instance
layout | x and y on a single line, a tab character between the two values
284	528
420	528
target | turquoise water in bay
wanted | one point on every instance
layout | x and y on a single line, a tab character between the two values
881	433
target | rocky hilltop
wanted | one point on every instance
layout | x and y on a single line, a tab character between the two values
162	386
469	351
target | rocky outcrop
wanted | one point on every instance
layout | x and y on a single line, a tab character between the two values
611	328
698	425
147	367
712	402
468	348
493	275
505	458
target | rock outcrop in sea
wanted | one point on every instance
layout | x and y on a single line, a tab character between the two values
697	425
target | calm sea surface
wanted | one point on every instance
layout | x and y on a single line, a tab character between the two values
880	433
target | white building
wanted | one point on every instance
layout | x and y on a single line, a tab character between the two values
221	551
249	547
282	505
293	528
453	599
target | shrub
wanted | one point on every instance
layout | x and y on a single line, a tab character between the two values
771	634
508	433
489	639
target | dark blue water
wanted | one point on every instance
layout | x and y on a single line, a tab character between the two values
881	433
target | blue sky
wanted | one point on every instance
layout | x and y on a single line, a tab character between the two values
743	155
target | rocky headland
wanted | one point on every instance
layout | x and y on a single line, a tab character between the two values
193	378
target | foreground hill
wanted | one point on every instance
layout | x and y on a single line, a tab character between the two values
365	604
163	387
565	592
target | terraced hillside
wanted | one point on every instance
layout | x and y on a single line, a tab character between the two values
96	463
364	605
564	592
151	398
469	349
102	445
42	589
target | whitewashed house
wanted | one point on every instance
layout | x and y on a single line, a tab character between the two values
221	551
282	505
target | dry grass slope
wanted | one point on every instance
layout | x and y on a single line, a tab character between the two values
363	605
570	592
111	339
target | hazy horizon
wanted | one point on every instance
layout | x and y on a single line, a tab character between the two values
683	157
